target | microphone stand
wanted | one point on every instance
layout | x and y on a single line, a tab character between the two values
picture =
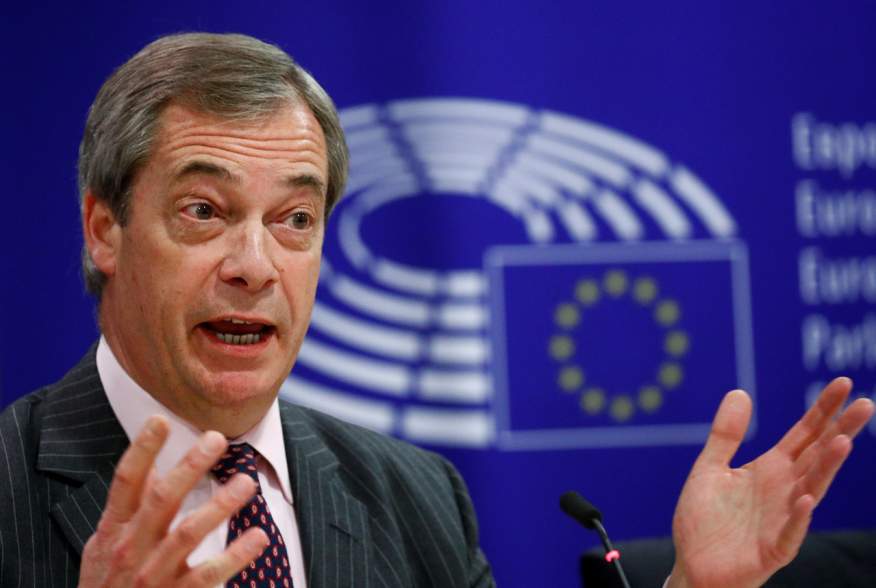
611	554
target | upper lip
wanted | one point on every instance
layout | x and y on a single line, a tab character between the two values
252	319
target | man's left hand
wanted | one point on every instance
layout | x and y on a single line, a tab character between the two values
738	526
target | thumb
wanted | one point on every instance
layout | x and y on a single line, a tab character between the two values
728	429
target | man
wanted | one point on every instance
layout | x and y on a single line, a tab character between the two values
208	168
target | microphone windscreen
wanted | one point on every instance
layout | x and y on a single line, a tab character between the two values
574	505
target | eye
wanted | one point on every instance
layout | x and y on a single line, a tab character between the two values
200	211
299	220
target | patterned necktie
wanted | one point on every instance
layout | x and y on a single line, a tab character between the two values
271	568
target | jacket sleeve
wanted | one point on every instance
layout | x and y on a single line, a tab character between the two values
479	573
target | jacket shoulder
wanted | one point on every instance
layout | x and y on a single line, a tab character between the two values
363	448
17	423
83	374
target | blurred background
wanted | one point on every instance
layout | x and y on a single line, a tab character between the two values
570	228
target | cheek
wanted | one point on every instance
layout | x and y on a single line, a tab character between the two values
300	278
165	276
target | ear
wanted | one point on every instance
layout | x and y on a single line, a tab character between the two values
103	234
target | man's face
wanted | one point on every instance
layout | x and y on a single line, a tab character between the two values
213	279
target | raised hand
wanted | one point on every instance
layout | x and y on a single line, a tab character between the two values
133	545
738	526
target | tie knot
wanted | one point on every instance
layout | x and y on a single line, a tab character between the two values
240	458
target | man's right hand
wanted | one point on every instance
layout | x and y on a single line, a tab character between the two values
133	545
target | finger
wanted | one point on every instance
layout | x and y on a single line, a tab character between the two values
849	423
131	474
728	429
818	479
171	554
817	419
855	417
794	531
163	498
226	565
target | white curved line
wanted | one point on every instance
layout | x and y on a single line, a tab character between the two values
595	164
462	316
539	191
374	180
462	186
610	141
370	301
618	215
351	241
469	387
381	155
458	108
464	284
405	278
514	202
379	376
464	350
538	226
666	213
456	158
365	114
375	415
451	175
361	138
393	170
703	201
385	192
366	335
455	155
480	154
577	221
559	174
468	428
458	133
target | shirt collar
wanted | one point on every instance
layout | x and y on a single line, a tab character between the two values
132	406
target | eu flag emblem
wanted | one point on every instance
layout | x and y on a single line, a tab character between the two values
617	344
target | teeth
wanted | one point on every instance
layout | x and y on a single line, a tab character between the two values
248	339
239	322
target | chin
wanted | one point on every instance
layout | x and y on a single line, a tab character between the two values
237	389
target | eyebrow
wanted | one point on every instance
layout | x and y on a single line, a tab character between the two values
198	167
307	181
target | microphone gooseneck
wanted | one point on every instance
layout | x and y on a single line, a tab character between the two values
574	505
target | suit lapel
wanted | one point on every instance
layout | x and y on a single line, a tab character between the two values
333	523
80	442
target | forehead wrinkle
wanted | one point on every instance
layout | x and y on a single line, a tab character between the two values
307	149
298	138
298	142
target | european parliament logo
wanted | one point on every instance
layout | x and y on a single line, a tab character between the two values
403	337
619	344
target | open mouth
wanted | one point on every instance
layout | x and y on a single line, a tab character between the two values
238	332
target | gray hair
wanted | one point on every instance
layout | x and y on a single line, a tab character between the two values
232	76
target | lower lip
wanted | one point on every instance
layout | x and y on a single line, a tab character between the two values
248	350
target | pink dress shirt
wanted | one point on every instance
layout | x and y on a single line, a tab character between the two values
133	406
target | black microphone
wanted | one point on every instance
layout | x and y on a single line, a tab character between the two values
574	505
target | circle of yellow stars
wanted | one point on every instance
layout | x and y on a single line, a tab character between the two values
593	398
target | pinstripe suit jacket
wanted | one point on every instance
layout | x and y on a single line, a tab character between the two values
372	511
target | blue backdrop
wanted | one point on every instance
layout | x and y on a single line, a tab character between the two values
571	227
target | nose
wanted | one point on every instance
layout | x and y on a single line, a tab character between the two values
248	263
